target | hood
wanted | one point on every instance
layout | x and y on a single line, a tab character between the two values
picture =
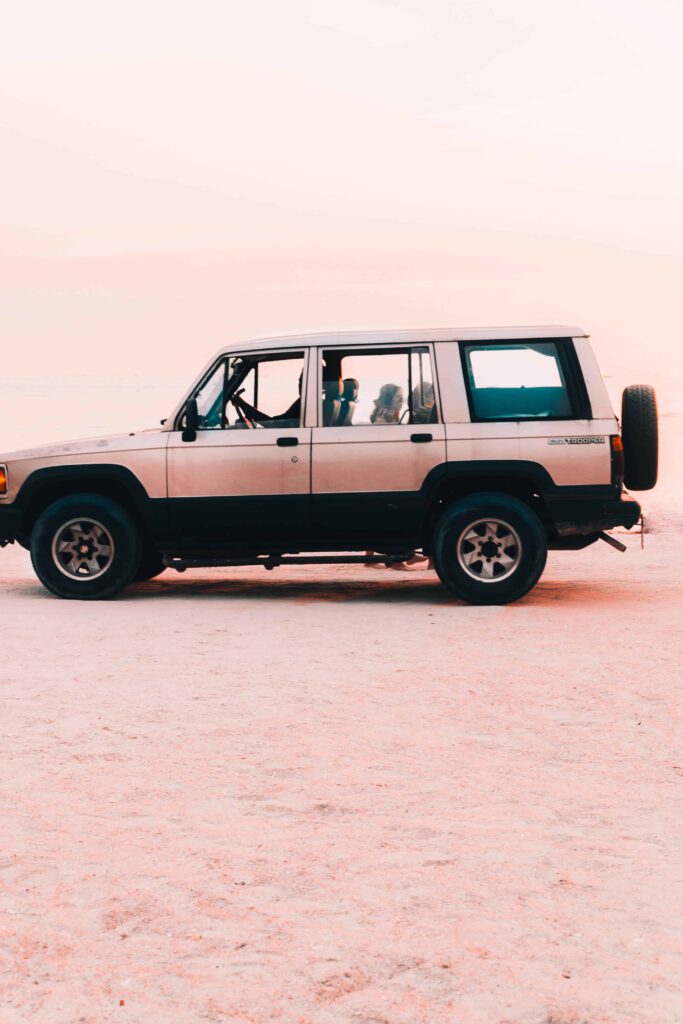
95	445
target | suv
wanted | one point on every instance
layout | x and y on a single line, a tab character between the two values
481	448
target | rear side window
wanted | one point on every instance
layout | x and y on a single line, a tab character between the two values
378	387
520	381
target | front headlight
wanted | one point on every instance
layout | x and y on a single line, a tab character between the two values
3	479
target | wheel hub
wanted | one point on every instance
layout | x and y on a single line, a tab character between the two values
489	550
83	549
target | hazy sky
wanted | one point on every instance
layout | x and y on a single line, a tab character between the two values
176	175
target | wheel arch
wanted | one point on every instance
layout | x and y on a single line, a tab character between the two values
527	481
44	486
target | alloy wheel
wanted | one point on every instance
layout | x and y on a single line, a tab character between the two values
489	550
83	549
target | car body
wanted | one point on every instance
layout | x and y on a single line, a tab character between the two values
390	429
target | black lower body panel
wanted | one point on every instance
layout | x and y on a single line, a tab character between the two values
585	515
364	520
10	522
259	522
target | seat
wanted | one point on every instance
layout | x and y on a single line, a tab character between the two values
349	400
332	393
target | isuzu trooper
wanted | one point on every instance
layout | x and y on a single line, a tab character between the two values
480	448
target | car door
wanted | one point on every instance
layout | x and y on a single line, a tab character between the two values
379	435
243	480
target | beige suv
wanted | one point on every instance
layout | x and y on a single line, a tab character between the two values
481	448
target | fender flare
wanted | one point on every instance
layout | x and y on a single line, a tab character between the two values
81	476
529	473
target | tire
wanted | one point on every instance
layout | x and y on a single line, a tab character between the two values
85	547
151	565
640	436
506	533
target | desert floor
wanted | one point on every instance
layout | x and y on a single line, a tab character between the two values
336	796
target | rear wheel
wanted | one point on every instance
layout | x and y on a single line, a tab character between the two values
489	548
86	547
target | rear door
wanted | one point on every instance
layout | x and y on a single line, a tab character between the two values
379	435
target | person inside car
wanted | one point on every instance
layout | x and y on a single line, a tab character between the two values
249	413
388	404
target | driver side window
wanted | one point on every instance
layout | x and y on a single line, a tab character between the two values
210	399
248	392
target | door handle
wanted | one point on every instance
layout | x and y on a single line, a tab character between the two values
287	442
420	438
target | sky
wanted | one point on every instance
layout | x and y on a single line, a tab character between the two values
175	176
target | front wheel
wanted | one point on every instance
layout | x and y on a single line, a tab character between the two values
489	548
86	547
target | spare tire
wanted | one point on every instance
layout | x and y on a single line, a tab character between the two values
639	433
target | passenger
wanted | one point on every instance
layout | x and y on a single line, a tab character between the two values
423	404
387	410
413	562
388	404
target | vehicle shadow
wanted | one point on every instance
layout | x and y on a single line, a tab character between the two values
390	588
422	589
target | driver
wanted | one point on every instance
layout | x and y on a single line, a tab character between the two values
290	418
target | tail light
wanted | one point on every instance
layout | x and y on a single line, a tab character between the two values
617	452
3	479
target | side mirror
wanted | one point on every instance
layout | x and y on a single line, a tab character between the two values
191	420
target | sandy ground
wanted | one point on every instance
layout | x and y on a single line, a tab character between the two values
336	796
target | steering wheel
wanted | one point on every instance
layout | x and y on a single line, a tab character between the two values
236	403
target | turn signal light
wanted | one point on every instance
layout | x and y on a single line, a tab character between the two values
617	450
3	479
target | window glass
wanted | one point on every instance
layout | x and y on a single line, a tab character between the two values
210	399
517	381
378	387
423	402
264	392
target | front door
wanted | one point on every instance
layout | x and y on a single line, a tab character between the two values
377	439
243	480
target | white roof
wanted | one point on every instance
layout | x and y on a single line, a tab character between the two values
405	336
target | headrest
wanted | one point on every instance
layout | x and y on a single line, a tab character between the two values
332	389
351	387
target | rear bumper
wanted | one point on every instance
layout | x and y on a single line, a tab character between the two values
10	522
585	515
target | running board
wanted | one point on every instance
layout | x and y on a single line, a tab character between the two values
273	561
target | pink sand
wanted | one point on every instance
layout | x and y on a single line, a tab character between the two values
338	797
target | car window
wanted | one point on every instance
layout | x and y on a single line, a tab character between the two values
245	392
210	399
516	381
264	391
378	387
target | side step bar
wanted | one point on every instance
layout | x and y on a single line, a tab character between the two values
273	561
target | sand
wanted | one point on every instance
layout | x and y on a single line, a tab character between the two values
337	796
